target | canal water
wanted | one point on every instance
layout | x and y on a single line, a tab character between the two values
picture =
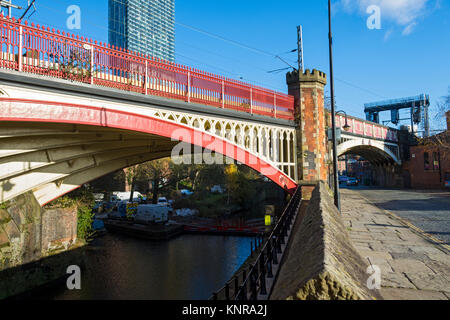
184	268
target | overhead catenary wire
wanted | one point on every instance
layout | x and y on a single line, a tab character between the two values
29	7
221	56
278	70
232	73
226	40
360	88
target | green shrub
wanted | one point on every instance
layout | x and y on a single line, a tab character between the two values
83	200
4	205
85	220
63	202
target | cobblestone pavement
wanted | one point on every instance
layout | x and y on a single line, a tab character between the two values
427	209
413	266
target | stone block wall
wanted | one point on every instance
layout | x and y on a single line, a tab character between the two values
321	262
29	233
59	228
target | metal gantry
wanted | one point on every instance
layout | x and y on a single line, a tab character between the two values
418	111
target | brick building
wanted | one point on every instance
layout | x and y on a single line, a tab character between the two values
429	164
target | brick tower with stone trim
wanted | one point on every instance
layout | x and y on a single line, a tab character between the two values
311	149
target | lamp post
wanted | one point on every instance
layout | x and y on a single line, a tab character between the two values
337	200
346	126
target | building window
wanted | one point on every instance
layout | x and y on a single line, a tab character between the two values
436	161
426	161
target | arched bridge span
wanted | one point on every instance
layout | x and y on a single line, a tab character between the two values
51	147
375	143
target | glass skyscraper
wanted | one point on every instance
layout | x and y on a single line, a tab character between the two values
144	26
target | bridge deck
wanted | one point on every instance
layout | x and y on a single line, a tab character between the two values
77	89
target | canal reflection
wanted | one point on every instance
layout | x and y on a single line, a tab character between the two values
187	267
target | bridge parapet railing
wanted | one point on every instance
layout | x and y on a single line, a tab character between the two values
256	281
367	129
39	50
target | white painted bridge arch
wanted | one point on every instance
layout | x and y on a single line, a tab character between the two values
54	142
372	150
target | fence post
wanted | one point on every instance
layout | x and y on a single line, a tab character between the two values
92	64
146	77
269	258
189	88
223	94
275	104
244	286
253	284
19	55
275	251
251	100
283	232
262	269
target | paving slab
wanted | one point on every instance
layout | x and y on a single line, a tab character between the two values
423	281
439	267
410	255
410	266
384	266
396	280
411	294
373	254
442	257
426	249
413	266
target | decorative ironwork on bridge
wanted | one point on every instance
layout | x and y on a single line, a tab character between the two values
37	49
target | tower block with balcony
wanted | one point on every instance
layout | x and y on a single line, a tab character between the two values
311	150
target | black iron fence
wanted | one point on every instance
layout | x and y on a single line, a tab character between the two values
256	280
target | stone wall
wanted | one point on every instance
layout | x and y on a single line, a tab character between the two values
59	229
28	279
321	262
29	233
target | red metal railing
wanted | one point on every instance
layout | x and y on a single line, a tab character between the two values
367	129
39	50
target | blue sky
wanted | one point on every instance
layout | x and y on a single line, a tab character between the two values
409	55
